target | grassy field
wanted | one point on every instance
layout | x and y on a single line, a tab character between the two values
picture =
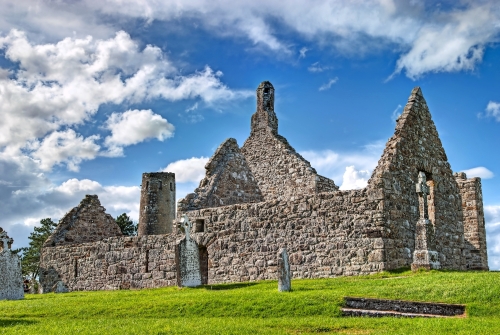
313	307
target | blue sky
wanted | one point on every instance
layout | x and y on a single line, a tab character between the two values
94	93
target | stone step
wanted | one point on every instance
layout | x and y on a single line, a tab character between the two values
399	308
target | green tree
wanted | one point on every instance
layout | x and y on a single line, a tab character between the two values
127	226
30	256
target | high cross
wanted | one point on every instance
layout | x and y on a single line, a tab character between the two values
423	191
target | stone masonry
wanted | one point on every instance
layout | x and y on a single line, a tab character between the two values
228	181
88	222
265	196
157	207
11	278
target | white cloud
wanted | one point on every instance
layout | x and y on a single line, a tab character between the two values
428	38
354	179
396	113
63	84
480	172
64	147
135	126
455	41
346	166
493	110
328	84
302	52
492	218
316	68
188	170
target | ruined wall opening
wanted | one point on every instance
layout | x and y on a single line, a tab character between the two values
203	264
171	187
76	268
147	261
200	226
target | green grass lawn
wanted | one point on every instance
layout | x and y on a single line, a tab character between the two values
313	307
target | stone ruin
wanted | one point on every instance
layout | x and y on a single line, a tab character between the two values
11	277
264	196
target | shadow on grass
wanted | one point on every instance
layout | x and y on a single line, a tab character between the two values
14	322
223	287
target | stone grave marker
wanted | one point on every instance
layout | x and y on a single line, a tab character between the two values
284	275
188	257
11	279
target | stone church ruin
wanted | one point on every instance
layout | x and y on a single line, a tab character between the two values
264	196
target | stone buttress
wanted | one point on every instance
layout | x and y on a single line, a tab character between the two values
474	225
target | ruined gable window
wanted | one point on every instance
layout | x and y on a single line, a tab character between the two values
171	187
266	90
200	226
147	185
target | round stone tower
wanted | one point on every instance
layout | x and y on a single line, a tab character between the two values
264	118
157	210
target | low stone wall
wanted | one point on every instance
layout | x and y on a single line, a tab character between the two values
111	264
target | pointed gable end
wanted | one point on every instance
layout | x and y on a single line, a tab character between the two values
414	148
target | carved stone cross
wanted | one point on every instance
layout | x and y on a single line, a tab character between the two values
5	240
186	226
423	191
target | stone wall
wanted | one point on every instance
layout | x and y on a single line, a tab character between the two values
157	207
414	147
111	264
228	181
88	222
474	225
280	171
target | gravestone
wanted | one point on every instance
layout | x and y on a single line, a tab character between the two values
284	275
187	257
424	257
11	279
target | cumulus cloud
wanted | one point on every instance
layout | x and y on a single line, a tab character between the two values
354	179
428	38
66	147
188	170
492	218
135	126
493	110
480	172
57	86
29	196
329	84
348	169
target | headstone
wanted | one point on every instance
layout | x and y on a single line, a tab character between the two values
11	279
59	287
188	257
424	257
284	275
